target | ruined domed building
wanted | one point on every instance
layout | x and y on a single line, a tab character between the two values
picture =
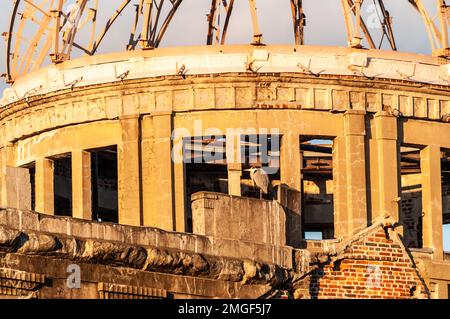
126	175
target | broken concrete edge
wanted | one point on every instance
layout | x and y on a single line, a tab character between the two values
146	236
335	250
214	196
145	258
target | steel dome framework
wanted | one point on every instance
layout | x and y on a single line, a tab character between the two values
42	29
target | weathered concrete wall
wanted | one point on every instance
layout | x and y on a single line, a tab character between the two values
16	188
238	218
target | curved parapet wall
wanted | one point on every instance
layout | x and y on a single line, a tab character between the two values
241	77
309	60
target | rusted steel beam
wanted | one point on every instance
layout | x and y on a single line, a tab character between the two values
437	31
57	30
298	21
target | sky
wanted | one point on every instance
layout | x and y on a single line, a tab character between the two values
324	26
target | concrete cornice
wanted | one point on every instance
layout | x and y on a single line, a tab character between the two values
203	60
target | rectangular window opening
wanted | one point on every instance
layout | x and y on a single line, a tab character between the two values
104	178
62	185
260	152
317	187
206	170
314	235
32	171
411	196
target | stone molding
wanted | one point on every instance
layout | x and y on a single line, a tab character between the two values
115	291
20	284
145	258
211	93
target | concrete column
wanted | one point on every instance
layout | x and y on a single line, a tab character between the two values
157	174
234	179
289	195
180	192
234	164
128	156
387	165
430	164
291	162
147	159
7	176
3	194
44	186
81	185
341	215
354	134
442	290
17	188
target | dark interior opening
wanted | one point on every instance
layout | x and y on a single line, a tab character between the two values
206	166
260	151
62	183
317	188
32	171
105	207
205	169
411	196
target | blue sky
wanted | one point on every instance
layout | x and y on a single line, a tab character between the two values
325	26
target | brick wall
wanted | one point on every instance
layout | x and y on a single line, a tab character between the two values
372	267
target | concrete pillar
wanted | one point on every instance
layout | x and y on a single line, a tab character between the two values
340	212
6	161
387	165
16	188
81	185
44	193
3	200
157	174
354	135
234	164
180	192
442	290
289	195
291	162
128	156
147	158
234	179
430	164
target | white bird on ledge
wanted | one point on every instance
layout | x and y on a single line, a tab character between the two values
260	180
